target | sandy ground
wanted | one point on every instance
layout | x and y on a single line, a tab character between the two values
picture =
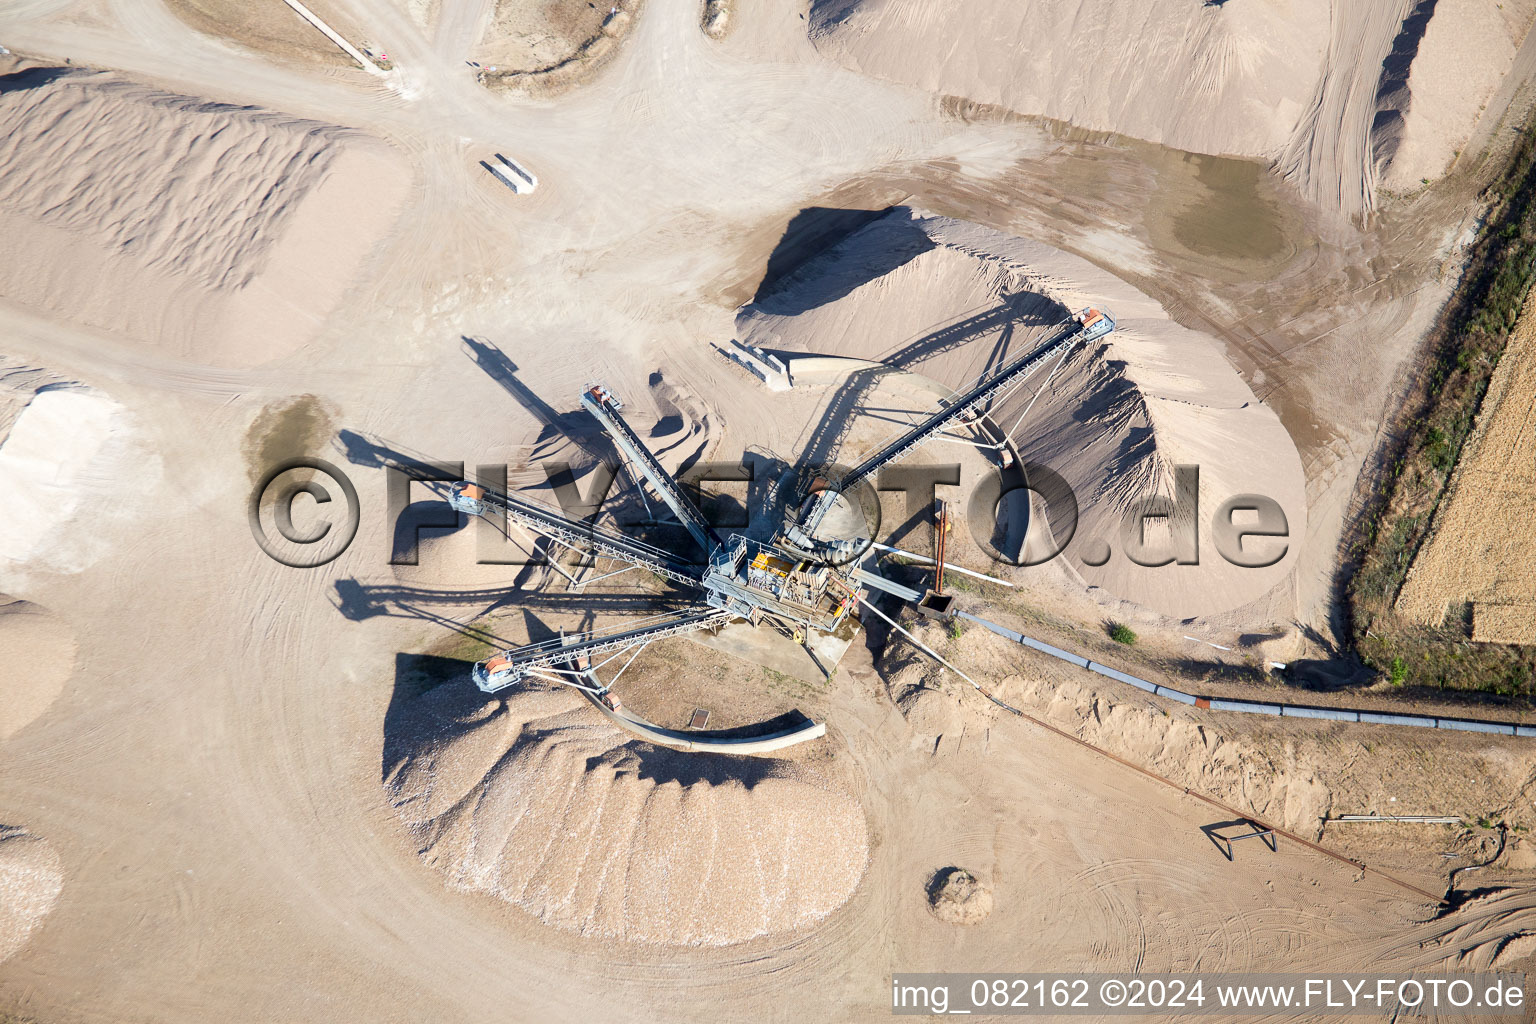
1386	96
1478	551
38	650
179	220
273	30
210	773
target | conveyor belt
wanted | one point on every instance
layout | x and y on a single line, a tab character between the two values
599	402
874	579
492	675
1068	333
549	523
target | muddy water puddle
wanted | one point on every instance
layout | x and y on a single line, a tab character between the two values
285	430
1221	217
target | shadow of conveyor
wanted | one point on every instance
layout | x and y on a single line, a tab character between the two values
1020	309
1027	309
372	452
575	426
358	601
624	504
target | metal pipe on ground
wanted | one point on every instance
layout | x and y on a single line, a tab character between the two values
335	37
948	566
1187	791
1419	819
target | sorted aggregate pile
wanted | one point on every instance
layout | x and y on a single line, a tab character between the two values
30	880
957	897
195	226
538	800
1343	96
941	297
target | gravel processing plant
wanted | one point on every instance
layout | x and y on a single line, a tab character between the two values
708	510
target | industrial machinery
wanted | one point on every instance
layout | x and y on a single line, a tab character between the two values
740	579
801	583
1086	325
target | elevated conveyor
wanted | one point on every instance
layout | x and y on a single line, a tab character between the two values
511	666
604	407
546	522
1082	327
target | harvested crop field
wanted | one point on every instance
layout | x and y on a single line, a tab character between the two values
1479	551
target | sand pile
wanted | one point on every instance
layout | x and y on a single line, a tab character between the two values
955	896
685	427
1209	78
66	445
930	712
37	657
30	880
540	801
946	298
1260	79
221	232
1286	781
1291	794
19	384
277	29
1446	61
524	36
534	43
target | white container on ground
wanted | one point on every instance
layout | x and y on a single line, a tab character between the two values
522	180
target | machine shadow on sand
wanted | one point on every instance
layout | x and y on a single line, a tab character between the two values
580	430
412	725
406	728
574	426
1029	309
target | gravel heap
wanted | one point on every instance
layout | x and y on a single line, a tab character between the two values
30	880
957	897
539	800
